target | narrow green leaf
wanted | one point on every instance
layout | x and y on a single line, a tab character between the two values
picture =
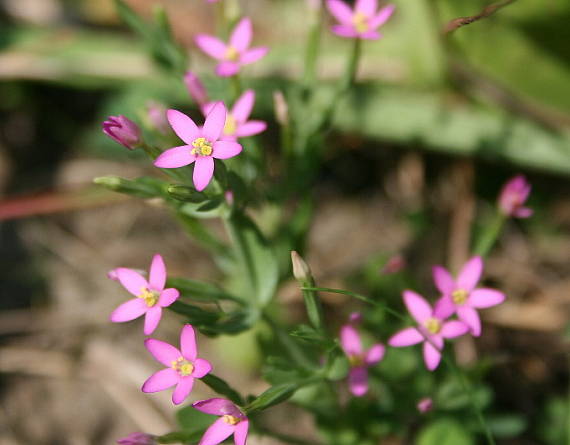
221	387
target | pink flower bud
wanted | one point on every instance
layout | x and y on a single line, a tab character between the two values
196	88
122	130
156	114
513	196
394	265
425	405
138	439
355	318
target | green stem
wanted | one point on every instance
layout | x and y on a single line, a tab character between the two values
313	305
490	235
293	350
312	50
236	87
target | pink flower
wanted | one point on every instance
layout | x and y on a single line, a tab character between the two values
231	421
432	329
196	88
122	130
156	114
425	405
235	54
138	439
182	367
359	359
460	295
513	196
203	144
394	265
355	318
151	296
237	124
362	22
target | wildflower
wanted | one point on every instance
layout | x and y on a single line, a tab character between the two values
138	439
156	114
355	318
513	196
432	329
182	366
362	22
196	88
460	295
394	265
425	405
231	421
359	359
234	55
237	124
203	144
151	296
122	130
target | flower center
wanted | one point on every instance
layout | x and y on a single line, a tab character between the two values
355	361
360	22
231	420
232	54
231	125
150	297
183	366
433	325
459	296
201	147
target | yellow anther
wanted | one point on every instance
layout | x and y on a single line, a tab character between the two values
232	54
230	420
231	125
183	366
360	22
201	147
355	360
150	297
433	325
459	296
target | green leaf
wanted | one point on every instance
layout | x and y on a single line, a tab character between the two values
193	422
311	335
194	315
272	396
141	187
444	431
233	322
337	366
186	194
221	387
199	290
506	425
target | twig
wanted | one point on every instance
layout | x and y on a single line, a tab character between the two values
487	12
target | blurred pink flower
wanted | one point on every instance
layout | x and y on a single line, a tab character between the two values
425	405
513	196
359	359
361	22
355	318
460	295
234	55
156	114
432	329
203	144
231	421
195	88
394	265
182	366
138	439
122	130
151	296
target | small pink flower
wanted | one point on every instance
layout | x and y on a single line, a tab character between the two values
231	421
359	359
361	22
237	123
196	88
203	144
425	405
432	329
355	318
138	439
513	196
394	265
156	114
234	55
462	297
182	367
151	296
122	130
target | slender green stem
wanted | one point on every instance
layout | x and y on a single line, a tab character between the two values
490	234
236	86
293	350
312	49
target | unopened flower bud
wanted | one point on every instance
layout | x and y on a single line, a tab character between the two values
425	405
394	265
196	88
355	318
138	439
123	130
156	114
280	107
301	270
513	196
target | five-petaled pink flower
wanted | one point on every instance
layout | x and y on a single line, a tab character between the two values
359	359
183	366
203	144
231	421
151	296
432	329
513	196
237	123
236	53
460	295
361	22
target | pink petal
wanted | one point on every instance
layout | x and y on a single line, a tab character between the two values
226	149
344	31
215	121
432	356
161	380
443	280
470	274
375	354
406	337
366	7
227	69
471	318
417	306
370	35
157	274
217	432
444	308
212	46
183	126
241	35
203	171
133	281
484	298
188	343
162	351
253	55
358	381
382	17
168	296
453	329
350	340
151	319
175	157
523	212
340	11
436	340
217	407
243	106
129	310
201	368
250	128
240	433
182	390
